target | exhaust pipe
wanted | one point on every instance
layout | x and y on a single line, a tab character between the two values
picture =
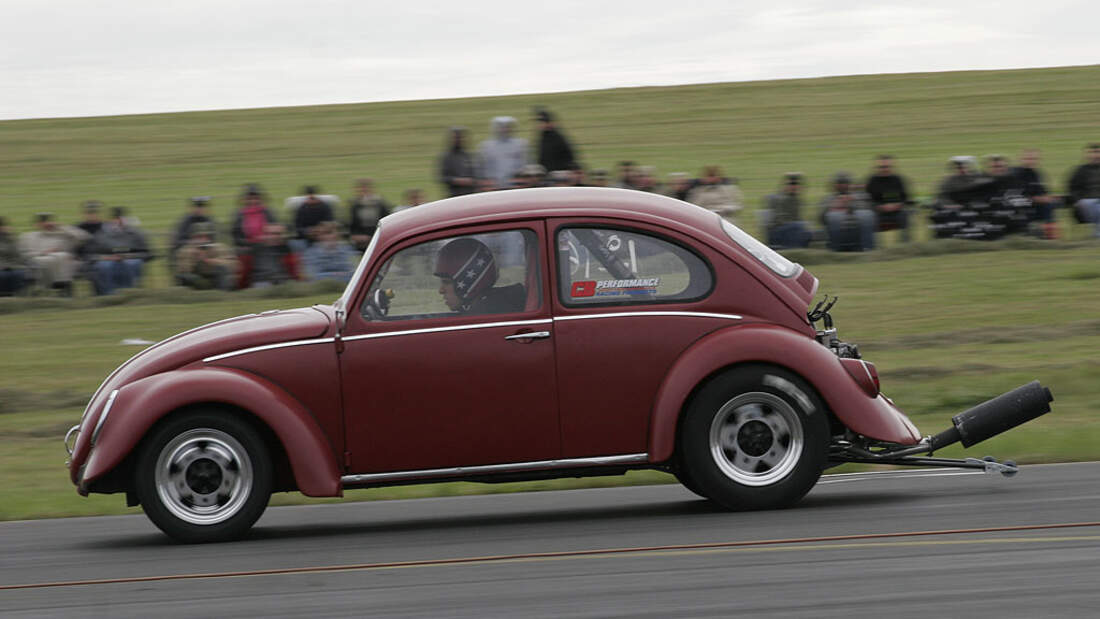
992	417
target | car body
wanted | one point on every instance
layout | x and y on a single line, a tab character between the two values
638	332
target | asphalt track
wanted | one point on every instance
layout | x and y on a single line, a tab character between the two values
928	543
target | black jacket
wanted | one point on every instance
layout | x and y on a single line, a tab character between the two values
887	189
1085	182
555	152
457	164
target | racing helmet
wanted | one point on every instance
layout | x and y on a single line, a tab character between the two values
470	264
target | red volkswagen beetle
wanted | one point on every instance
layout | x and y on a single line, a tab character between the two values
507	336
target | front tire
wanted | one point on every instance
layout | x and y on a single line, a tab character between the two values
755	437
204	477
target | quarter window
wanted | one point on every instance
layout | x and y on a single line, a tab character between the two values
603	266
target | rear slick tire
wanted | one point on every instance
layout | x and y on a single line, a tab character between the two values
755	437
204	477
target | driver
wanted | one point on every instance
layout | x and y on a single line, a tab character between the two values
467	272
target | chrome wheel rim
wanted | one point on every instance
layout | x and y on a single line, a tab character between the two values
756	438
203	476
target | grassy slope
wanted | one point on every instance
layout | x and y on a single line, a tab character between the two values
945	330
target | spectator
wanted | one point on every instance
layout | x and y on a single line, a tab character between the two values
598	178
204	264
646	180
1030	180
503	155
555	152
119	251
626	175
310	213
848	217
251	217
199	214
330	257
457	168
715	193
783	221
271	258
679	185
51	251
889	197
964	184
1084	188
562	178
413	197
367	208
91	222
14	274
532	175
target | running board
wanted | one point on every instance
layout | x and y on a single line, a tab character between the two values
494	469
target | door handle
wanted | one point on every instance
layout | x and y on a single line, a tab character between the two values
533	335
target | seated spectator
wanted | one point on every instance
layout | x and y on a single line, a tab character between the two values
848	217
457	167
329	257
367	208
91	222
119	251
51	251
413	197
597	178
889	197
272	260
1084	189
204	264
251	217
562	178
531	175
1030	179
14	271
964	185
679	185
715	193
646	180
627	174
311	212
782	217
199	213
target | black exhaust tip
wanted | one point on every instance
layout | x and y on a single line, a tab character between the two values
1003	412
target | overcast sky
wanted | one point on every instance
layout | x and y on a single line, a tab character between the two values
90	58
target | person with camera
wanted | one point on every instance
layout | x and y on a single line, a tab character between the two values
119	251
204	264
781	218
848	217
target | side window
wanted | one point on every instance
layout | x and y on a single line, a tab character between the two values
491	273
599	266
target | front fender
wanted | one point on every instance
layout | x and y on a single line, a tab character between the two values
142	403
874	417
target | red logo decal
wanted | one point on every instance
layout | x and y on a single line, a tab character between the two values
583	289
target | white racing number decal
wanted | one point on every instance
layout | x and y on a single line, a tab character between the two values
646	286
790	389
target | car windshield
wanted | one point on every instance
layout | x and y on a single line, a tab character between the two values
760	251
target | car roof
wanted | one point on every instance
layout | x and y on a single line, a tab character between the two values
549	202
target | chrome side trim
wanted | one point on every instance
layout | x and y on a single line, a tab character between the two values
534	335
497	468
654	313
245	351
482	325
103	415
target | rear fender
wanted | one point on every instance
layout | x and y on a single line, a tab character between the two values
142	403
873	417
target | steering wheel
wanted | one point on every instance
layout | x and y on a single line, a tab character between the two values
378	303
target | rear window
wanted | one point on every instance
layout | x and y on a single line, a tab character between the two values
760	251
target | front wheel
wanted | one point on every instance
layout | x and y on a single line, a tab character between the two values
204	477
755	438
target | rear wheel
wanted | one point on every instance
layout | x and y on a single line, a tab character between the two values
754	438
204	477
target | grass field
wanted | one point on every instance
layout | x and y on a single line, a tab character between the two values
948	324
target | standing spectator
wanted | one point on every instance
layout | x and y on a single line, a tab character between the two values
204	264
271	258
679	185
503	155
555	152
413	197
626	175
1084	188
367	208
311	212
715	193
251	217
119	251
198	214
51	250
330	257
782	217
14	274
646	180
1030	179
848	217
889	197
457	168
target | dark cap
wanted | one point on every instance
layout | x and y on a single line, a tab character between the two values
543	115
118	212
200	200
40	217
310	190
253	189
842	178
92	206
